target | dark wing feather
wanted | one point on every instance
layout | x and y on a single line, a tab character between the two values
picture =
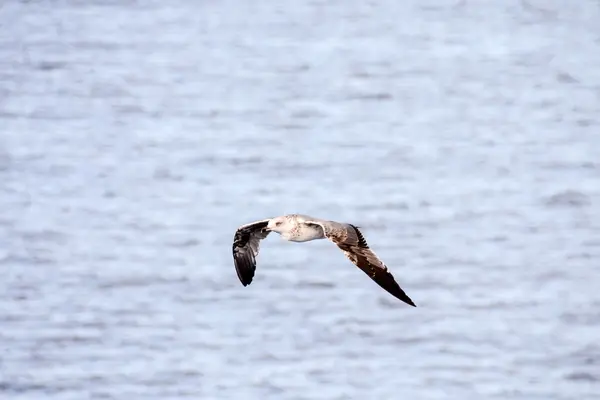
352	242
246	244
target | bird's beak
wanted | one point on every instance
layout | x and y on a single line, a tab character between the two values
267	229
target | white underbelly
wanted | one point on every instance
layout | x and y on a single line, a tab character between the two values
306	234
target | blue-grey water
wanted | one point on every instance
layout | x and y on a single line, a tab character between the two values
463	137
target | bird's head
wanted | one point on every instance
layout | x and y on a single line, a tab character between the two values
278	224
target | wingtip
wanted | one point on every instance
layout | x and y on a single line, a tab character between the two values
246	282
408	301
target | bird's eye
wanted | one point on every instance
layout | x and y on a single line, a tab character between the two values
277	223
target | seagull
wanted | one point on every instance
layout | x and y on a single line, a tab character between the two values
302	228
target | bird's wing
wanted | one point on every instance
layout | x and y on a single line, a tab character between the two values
246	243
351	241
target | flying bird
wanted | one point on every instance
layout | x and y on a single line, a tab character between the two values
302	228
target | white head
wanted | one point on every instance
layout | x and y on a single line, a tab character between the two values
280	225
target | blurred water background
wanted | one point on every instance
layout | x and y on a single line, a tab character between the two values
463	137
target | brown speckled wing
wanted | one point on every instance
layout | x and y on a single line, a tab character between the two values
246	244
351	241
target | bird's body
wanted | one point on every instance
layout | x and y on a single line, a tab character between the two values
303	228
296	229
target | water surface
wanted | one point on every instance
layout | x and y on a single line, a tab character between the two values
464	139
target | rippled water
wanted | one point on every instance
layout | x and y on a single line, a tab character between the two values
463	138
